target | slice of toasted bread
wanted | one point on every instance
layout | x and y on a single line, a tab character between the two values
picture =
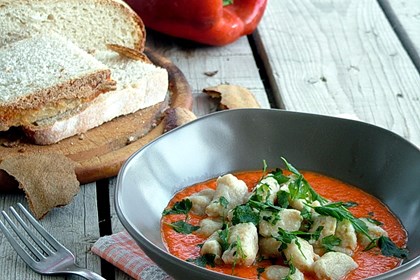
44	76
91	24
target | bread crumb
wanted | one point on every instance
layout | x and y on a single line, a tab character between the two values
232	96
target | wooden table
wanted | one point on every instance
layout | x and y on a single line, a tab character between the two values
350	58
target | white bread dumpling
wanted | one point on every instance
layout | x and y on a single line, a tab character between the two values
235	191
212	246
200	201
209	225
269	247
334	266
288	219
245	252
347	234
374	231
276	272
267	188
302	258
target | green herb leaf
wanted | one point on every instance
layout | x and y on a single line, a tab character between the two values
224	235
350	204
245	214
227	2
260	270
268	206
279	176
292	270
375	222
306	213
389	248
338	211
206	259
183	227
283	199
224	202
330	241
300	188
286	237
180	207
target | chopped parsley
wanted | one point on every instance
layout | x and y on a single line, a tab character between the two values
283	199
183	227
388	248
224	202
245	214
180	207
204	260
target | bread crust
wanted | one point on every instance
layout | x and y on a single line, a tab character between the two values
54	100
135	27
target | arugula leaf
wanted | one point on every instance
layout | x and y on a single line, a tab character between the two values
300	187
183	227
206	259
330	241
245	214
338	211
306	213
389	248
374	221
180	207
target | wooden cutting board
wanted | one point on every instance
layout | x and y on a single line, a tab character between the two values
100	152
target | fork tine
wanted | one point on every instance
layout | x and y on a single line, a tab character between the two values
30	233
41	230
18	248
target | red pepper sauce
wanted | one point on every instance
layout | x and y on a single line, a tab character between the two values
370	263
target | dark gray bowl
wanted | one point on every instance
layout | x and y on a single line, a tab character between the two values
374	159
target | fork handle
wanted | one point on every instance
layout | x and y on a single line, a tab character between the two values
85	273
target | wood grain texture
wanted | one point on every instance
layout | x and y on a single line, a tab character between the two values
404	16
340	57
75	226
233	64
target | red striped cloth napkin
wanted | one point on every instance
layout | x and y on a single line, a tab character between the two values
122	251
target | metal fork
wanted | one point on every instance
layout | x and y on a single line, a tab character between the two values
52	259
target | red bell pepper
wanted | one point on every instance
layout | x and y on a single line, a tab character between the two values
212	22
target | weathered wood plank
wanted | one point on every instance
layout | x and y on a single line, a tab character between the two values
404	16
235	64
75	226
340	57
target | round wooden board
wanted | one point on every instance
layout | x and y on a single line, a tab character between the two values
100	152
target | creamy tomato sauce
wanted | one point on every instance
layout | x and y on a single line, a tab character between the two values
370	262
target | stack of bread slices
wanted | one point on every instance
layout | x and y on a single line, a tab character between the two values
69	66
